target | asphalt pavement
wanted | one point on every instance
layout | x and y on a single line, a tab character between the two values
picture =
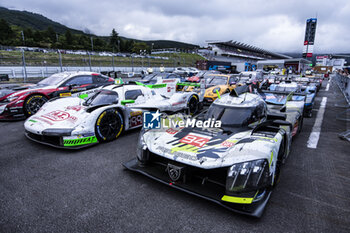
43	189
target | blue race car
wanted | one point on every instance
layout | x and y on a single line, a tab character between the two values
308	91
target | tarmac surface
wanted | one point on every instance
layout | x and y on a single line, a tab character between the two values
43	189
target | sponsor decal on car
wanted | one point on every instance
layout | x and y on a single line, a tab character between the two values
195	140
178	103
67	94
77	141
168	81
165	150
75	108
171	131
229	143
43	120
135	113
56	115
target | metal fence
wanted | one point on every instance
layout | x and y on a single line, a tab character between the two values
343	82
21	64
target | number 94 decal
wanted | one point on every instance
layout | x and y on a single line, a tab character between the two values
195	140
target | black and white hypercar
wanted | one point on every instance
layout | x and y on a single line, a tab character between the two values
235	165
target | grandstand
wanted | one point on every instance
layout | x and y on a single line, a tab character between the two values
243	56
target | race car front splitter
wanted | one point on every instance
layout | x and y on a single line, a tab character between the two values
254	209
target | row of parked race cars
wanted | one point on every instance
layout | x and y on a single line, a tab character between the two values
235	163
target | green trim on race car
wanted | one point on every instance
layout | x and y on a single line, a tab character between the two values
161	85
240	200
79	141
123	102
217	92
189	84
83	96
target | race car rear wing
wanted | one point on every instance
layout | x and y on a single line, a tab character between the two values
281	92
200	86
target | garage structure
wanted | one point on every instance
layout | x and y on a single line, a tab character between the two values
298	65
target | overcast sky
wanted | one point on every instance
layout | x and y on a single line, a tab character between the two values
274	25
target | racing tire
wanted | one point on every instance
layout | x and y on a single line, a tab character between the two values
301	121
193	104
279	163
309	113
109	125
33	103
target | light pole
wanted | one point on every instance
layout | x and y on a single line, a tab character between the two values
92	44
24	66
23	37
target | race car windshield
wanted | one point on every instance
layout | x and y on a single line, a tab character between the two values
201	73
52	80
243	79
282	99
231	116
103	97
218	80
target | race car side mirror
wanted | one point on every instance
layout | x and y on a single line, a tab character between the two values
123	102
71	86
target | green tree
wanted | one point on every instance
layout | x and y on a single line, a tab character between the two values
113	41
28	33
51	34
139	46
84	42
69	38
99	44
37	36
5	32
128	45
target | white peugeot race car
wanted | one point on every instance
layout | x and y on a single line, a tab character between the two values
72	122
235	165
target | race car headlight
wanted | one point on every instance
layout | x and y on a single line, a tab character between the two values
141	150
216	89
247	176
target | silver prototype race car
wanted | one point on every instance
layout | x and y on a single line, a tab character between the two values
235	165
72	122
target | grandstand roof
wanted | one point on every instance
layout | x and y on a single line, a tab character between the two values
250	48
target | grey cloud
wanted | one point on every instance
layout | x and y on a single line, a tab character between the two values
274	25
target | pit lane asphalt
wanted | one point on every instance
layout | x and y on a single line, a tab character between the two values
43	189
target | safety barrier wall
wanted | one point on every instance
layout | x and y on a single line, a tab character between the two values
343	83
45	71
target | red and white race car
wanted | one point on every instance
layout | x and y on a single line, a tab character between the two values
23	101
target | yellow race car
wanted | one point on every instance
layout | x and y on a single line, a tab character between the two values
218	84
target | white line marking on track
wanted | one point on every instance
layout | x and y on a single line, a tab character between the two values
327	87
316	129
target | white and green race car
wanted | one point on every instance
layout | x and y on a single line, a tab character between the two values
72	122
